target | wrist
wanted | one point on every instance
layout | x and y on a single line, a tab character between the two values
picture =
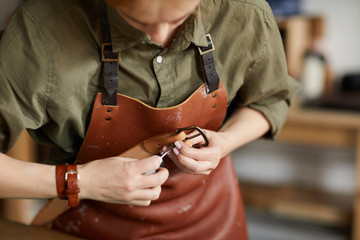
228	142
82	184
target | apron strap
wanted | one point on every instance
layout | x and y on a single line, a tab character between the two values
110	67
207	58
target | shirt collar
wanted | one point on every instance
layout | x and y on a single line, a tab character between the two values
124	36
191	31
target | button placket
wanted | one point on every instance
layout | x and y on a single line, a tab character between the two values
164	77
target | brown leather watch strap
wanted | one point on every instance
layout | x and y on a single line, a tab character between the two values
71	179
60	171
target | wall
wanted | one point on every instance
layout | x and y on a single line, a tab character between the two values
342	32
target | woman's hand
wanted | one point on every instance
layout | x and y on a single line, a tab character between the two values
199	160
243	126
122	180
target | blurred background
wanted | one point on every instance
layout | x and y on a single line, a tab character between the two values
305	185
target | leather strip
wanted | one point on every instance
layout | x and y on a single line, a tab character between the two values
153	145
110	69
110	76
72	191
60	180
207	58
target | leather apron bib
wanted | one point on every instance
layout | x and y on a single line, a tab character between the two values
190	206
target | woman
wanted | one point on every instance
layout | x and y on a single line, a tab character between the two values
158	56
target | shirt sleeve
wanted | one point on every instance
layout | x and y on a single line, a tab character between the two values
267	87
25	74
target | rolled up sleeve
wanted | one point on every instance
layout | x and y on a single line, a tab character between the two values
268	88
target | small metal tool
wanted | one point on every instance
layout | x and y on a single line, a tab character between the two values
171	146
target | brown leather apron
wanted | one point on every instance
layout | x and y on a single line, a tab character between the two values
190	206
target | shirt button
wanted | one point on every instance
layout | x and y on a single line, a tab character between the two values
159	59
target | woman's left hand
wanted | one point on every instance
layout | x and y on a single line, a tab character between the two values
198	160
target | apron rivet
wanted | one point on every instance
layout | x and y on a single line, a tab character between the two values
108	119
214	95
214	106
109	110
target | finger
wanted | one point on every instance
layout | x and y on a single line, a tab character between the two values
140	203
131	202
147	164
205	172
195	140
153	180
185	169
200	154
164	149
173	158
147	194
193	165
190	165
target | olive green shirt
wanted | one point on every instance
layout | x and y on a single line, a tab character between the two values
50	69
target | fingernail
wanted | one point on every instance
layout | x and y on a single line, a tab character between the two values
176	151
163	149
177	144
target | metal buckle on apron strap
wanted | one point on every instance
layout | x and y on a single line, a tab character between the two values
107	55
209	48
208	65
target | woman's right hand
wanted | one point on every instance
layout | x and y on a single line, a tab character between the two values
122	180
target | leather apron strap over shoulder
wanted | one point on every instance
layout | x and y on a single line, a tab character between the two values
211	77
110	69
